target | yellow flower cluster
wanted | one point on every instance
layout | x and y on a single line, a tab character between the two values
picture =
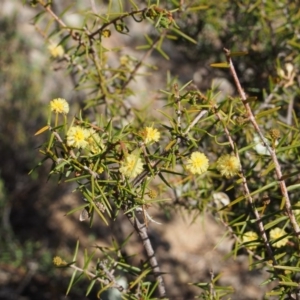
131	166
198	163
150	135
106	33
228	165
56	51
124	60
249	239
276	234
58	261
152	194
59	106
79	137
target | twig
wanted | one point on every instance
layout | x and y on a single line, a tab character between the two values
77	38
147	216
211	284
289	117
113	21
47	7
112	284
177	101
110	275
195	121
272	152
248	194
145	56
143	234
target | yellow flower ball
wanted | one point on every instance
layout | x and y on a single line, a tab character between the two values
58	261
131	166
77	137
249	237
228	165
106	33
59	106
56	51
198	163
150	135
277	233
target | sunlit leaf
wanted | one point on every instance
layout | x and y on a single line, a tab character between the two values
220	65
42	130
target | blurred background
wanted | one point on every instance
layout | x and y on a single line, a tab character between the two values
34	227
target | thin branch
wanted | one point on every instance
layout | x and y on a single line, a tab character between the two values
47	7
272	152
77	38
113	21
145	56
289	117
177	101
110	282
248	194
199	116
143	234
